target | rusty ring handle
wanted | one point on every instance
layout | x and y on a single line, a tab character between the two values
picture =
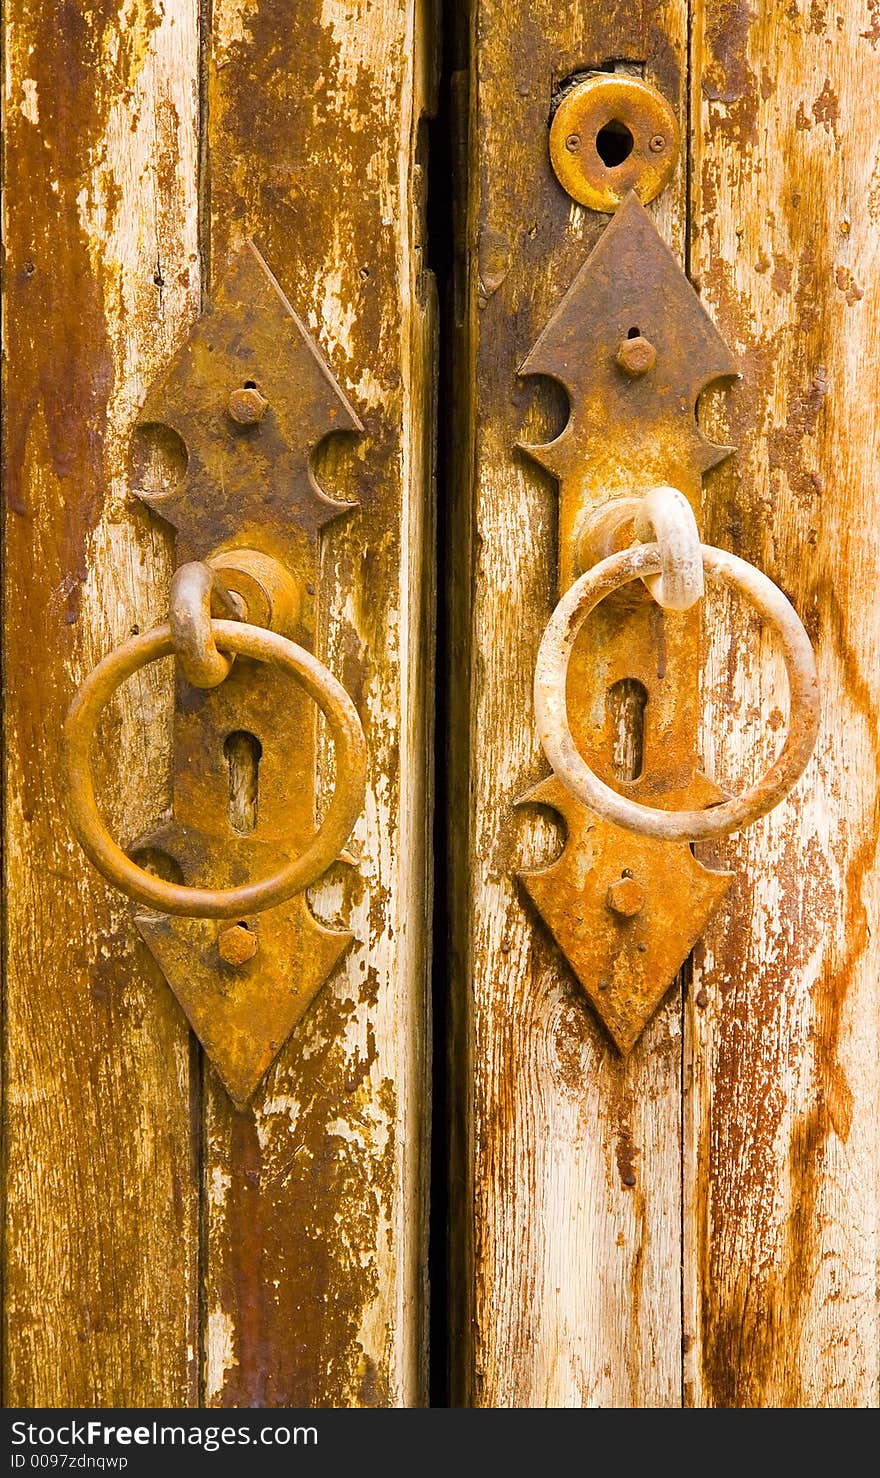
550	698
294	876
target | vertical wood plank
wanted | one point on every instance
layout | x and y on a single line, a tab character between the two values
567	1167
316	1195
782	1212
101	279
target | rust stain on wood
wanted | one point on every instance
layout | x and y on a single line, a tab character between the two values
780	1198
315	1226
315	1253
96	1063
780	1088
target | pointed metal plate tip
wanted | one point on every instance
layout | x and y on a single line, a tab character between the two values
258	472
625	910
631	286
243	1013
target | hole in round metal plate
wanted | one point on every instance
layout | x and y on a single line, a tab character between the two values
614	143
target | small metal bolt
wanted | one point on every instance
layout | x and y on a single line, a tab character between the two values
246	405
625	897
573	143
657	144
237	945
636	356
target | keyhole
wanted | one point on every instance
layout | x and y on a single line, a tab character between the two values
627	700
243	754
614	143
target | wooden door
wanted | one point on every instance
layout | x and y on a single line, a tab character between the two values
697	1223
694	1223
162	1248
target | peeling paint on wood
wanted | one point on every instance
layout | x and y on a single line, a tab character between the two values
101	279
572	1285
316	1252
782	1211
568	1286
311	1237
568	1165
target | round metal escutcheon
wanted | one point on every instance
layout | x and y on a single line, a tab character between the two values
612	134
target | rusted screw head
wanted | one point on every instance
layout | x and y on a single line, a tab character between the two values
657	144
246	405
625	897
237	945
573	143
636	356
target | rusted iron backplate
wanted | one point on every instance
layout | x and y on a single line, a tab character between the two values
247	400
246	483
624	961
632	427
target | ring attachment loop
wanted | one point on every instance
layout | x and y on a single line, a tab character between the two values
666	518
663	516
551	673
198	595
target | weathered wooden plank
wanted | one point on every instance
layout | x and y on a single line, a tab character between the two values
783	1205
102	277
567	1167
315	1221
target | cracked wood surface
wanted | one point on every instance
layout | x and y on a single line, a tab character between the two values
782	1146
568	1164
102	279
599	1203
308	1256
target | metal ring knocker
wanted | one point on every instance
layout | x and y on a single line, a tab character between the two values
652	563
232	638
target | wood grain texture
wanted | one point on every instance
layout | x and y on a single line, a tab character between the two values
315	1238
782	1212
567	1169
101	280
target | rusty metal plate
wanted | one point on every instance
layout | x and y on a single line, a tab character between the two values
634	348
612	134
245	479
625	943
223	451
